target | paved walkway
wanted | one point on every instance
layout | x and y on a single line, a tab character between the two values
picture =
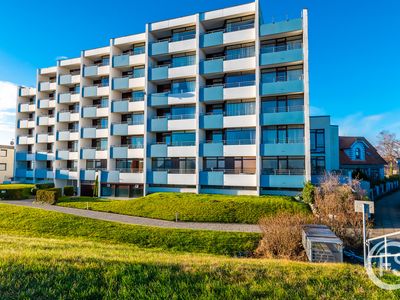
138	220
387	215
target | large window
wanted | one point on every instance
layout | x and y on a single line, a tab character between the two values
230	165
282	44
181	60
282	74
183	86
100	144
179	138
282	104
240	79
317	141
239	108
283	134
185	33
177	112
239	51
132	141
179	165
96	164
283	165
241	23
317	165
133	119
241	136
129	165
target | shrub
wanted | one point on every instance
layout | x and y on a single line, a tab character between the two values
308	193
69	190
47	196
44	186
57	190
15	191
282	236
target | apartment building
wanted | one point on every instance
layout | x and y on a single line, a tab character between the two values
215	102
6	163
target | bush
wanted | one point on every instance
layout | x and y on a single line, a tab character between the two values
282	236
44	186
69	190
47	196
57	190
15	191
308	193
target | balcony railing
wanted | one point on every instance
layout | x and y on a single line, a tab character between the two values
94	148
280	48
177	38
134	99
72	111
283	171
232	56
95	106
96	127
141	122
177	117
239	26
178	143
129	146
233	84
129	170
175	171
283	109
233	142
285	141
249	171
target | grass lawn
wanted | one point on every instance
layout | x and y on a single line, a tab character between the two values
192	207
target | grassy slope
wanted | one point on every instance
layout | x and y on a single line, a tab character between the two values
42	268
192	207
40	223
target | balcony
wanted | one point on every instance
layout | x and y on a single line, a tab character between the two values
121	129
125	105
177	122
95	91
212	121
94	133
67	154
244	147
282	87
69	79
45	120
182	149
96	71
172	72
173	177
127	60
26	123
68	135
229	178
239	34
47	86
26	107
67	174
284	148
89	175
26	92
24	173
164	99
68	97
94	111
228	91
291	115
127	151
283	179
24	156
186	43
44	156
280	28
227	64
287	57
129	82
93	153
47	103
25	140
44	138
68	116
44	174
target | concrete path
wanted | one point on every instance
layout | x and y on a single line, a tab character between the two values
139	220
387	215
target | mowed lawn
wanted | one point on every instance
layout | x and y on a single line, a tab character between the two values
41	264
192	207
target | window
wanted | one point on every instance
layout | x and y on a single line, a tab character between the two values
240	79
96	164
3	167
317	137
239	108
239	51
282	74
3	153
283	134
183	165
214	163
183	86
138	49
241	136
100	144
181	60
129	165
240	165
317	165
282	44
184	33
239	23
358	153
283	165
282	104
134	142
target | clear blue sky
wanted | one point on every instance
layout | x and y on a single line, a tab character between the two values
354	46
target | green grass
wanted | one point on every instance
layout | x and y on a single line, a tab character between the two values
15	186
45	268
192	207
48	255
41	223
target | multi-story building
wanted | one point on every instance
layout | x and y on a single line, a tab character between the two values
6	163
215	102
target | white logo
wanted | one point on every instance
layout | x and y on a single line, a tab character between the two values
377	252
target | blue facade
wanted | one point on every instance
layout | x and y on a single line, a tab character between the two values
294	117
282	88
159	48
157	177
159	73
212	39
213	93
212	66
119	129
281	27
283	181
121	61
212	178
159	125
212	121
120	106
120	83
158	99
282	149
212	149
158	150
90	91
90	71
281	57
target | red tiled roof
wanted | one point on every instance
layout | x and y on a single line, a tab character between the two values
372	156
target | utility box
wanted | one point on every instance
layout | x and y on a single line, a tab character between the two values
321	244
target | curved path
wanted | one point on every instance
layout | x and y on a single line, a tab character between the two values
138	220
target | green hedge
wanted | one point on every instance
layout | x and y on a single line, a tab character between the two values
15	191
57	190
44	186
47	196
69	190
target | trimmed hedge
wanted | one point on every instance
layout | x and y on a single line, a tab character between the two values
69	190
44	186
57	190
15	191
47	196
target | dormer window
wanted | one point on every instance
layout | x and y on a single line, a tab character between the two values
358	153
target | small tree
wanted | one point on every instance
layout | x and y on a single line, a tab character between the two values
308	193
389	148
96	187
334	207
